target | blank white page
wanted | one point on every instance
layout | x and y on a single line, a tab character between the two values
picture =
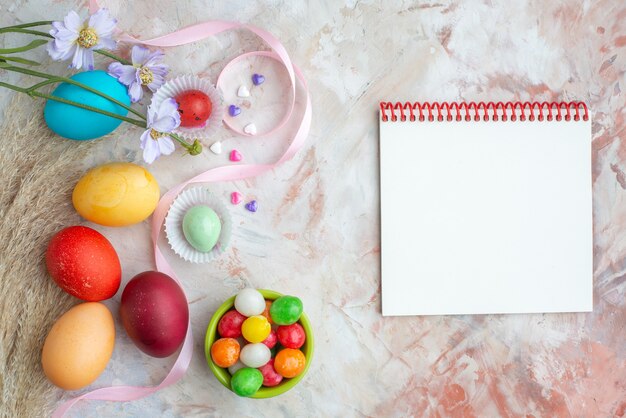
486	217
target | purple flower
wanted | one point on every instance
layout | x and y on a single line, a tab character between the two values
161	120
78	39
145	71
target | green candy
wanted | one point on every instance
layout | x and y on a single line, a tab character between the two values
246	381
286	310
202	228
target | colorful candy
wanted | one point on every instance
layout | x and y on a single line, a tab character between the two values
246	381
291	336
250	129
270	377
271	340
289	362
255	355
233	369
266	312
216	147
234	110
256	329
235	198
258	79
235	156
252	206
286	310
225	352
230	324
243	91
249	302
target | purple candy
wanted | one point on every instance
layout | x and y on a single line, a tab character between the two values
258	79
234	110
252	206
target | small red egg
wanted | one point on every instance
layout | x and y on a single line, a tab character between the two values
270	377
84	263
230	324
194	107
271	340
154	313
291	336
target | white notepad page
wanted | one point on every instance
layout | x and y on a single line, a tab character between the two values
486	217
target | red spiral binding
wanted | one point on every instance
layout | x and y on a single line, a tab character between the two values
503	111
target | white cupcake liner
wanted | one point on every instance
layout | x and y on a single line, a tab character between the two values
174	224
184	83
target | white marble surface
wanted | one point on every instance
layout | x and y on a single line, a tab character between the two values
316	232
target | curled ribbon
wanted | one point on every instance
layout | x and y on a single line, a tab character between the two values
184	36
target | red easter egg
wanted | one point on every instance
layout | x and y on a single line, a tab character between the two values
194	107
270	376
271	340
154	313
230	324
84	263
291	336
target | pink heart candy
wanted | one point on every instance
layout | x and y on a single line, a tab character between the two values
235	155
235	198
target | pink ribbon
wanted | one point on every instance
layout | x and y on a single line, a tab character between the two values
184	36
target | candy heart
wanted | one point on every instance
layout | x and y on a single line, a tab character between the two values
252	206
216	148
235	198
234	110
243	91
258	79
235	155
250	129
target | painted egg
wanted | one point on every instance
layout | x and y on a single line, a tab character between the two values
202	227
76	123
194	107
249	302
116	194
79	346
154	313
255	355
84	263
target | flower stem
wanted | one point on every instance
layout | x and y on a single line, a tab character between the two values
113	56
70	81
28	31
30	25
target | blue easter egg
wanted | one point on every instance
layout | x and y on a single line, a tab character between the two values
75	123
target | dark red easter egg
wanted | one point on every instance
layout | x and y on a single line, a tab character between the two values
194	107
230	324
84	263
154	313
291	336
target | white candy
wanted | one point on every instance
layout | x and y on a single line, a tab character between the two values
250	129
216	148
243	91
232	369
255	355
250	302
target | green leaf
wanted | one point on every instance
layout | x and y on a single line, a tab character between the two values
34	44
18	60
3	64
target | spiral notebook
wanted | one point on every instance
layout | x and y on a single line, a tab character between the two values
485	208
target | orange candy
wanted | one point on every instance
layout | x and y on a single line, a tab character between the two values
266	312
289	362
225	352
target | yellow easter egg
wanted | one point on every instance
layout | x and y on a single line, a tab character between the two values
79	346
116	194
